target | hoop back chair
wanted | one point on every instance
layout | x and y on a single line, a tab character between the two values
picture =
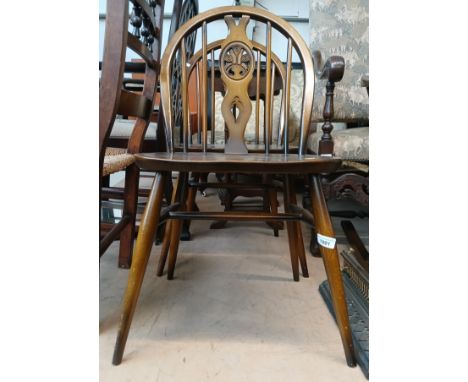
142	34
238	58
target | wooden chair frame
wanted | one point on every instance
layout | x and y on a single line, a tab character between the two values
236	157
113	100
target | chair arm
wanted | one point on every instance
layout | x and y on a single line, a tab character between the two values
332	72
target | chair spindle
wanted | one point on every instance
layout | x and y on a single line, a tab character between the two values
287	96
198	104
272	99
185	111
267	123
212	98
204	88
257	100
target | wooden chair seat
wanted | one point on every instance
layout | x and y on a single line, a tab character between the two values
116	159
220	162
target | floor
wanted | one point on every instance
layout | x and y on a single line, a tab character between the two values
232	313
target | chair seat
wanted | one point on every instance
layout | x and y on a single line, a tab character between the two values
250	163
115	160
122	129
349	144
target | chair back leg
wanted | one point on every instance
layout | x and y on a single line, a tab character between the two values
290	227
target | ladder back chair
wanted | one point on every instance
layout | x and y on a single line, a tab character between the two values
154	139
238	58
141	32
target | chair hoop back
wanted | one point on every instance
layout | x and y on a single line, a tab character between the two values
240	60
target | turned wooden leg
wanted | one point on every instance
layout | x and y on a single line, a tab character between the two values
127	235
299	241
274	209
191	195
143	246
176	225
226	199
306	203
168	231
332	266
314	247
270	203
174	247
164	248
291	231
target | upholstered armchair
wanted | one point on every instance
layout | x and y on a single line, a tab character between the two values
339	30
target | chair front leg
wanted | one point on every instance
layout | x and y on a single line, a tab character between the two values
329	252
143	246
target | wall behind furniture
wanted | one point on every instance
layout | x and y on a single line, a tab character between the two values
294	11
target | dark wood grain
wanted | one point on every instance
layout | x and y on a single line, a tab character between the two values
252	163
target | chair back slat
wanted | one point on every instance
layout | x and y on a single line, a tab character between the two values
184	87
267	124
199	109
140	32
134	105
212	92
204	91
141	49
272	81
287	97
257	99
244	72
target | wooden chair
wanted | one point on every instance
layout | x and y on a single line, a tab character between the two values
122	128
239	57
145	40
182	11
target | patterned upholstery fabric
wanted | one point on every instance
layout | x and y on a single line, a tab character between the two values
336	28
123	128
341	27
349	144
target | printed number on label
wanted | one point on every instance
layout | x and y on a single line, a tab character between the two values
325	241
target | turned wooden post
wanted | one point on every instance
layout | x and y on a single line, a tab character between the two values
332	71
326	141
